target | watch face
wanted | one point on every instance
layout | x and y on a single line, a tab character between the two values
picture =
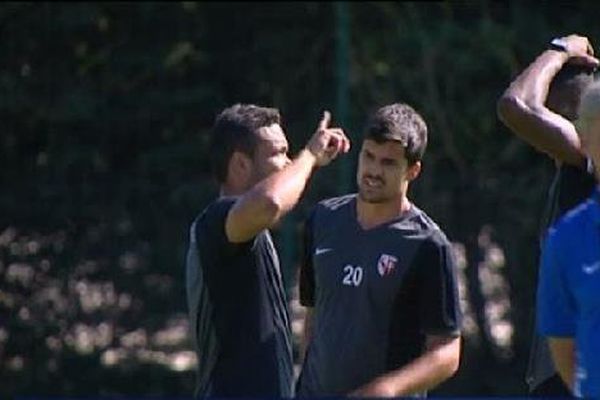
558	44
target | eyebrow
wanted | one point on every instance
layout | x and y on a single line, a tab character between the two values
390	161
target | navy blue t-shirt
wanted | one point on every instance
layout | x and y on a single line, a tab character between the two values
238	311
376	295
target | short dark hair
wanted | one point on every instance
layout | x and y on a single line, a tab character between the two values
235	130
566	89
399	122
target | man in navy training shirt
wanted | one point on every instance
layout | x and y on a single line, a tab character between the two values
379	277
539	107
569	287
236	302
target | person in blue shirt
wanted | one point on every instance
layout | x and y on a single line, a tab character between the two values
540	107
569	286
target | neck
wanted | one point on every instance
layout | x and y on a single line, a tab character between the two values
372	214
230	190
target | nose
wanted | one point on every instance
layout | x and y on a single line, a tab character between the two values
374	169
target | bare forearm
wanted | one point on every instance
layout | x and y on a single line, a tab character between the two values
307	334
522	109
283	189
269	200
563	355
546	131
532	85
424	373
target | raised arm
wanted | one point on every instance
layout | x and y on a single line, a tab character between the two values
270	199
523	108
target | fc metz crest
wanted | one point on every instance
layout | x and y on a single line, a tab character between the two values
386	264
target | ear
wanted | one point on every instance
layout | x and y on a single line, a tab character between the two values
413	171
239	169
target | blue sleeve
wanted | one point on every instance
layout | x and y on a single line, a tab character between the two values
555	304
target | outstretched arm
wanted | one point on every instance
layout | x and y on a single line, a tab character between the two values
522	107
273	197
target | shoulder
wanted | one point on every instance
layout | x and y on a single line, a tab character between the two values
218	206
425	228
214	214
333	206
572	222
336	203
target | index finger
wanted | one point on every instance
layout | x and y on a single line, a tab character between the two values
585	61
324	123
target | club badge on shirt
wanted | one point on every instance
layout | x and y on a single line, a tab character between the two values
386	264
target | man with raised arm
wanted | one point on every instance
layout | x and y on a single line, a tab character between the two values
236	301
540	107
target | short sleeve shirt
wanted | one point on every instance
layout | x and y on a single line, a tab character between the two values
569	286
571	186
376	293
238	311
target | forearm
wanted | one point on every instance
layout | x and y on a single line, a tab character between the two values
283	190
269	200
546	131
307	334
424	373
532	85
522	109
563	355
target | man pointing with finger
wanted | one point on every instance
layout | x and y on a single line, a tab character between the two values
236	302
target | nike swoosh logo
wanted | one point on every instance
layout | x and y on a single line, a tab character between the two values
591	268
319	251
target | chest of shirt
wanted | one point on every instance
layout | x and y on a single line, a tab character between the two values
364	264
584	272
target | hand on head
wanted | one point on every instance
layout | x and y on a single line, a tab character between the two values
327	142
580	51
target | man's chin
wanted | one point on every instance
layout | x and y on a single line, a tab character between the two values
371	198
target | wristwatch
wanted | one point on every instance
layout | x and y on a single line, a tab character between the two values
559	44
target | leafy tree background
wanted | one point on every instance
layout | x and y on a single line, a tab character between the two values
105	113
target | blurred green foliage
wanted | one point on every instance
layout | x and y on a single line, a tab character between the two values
105	111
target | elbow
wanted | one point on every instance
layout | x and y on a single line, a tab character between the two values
506	107
515	113
448	359
272	209
448	365
452	365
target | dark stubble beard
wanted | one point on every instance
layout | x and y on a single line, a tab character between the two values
377	199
